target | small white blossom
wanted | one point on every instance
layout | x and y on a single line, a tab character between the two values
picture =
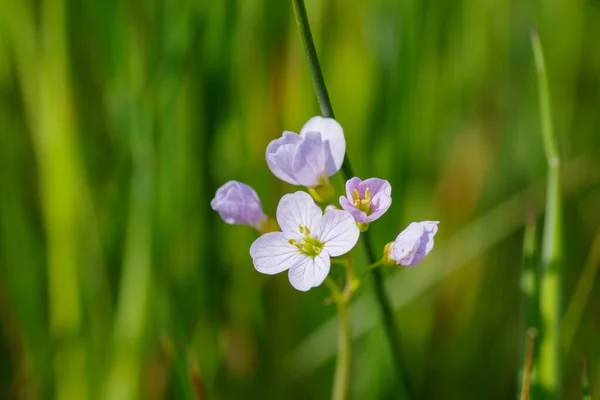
307	240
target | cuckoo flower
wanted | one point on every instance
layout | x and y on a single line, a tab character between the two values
309	158
412	244
367	200
306	241
238	203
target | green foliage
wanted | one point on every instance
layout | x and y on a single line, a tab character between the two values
118	121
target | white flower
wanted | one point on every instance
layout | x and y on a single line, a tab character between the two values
306	241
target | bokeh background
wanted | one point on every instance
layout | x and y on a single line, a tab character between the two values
119	120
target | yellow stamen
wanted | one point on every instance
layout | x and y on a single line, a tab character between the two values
362	204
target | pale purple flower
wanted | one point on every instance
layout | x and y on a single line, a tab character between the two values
238	203
413	243
309	158
307	240
367	200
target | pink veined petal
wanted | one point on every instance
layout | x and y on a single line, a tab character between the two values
338	232
377	186
312	160
358	215
332	132
308	272
280	156
272	253
295	209
352	184
238	203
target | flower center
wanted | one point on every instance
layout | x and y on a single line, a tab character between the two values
362	204
308	245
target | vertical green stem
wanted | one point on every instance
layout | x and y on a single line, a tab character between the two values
585	382
549	366
342	364
575	311
530	291
327	111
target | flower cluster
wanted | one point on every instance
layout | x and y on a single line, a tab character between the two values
307	238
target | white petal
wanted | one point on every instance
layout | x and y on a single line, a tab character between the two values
272	253
308	272
338	232
407	241
331	131
295	209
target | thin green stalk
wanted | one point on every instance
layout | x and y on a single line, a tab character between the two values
342	364
585	284
327	111
549	365
371	268
586	394
530	291
530	336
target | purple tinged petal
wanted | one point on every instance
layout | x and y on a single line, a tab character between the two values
338	232
414	243
280	156
358	215
308	272
380	193
297	209
238	203
332	132
352	184
272	253
312	160
376	186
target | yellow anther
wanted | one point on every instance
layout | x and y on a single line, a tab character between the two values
292	242
362	204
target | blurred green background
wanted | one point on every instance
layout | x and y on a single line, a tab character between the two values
119	120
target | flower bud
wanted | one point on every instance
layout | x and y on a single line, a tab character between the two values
238	203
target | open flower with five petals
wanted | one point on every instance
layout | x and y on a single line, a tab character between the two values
307	240
311	157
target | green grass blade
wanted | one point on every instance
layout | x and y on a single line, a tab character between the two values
549	363
585	284
530	291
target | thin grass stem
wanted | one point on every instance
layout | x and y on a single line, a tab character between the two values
549	365
585	284
528	363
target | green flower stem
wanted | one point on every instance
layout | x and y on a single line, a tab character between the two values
549	365
371	268
327	111
342	364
